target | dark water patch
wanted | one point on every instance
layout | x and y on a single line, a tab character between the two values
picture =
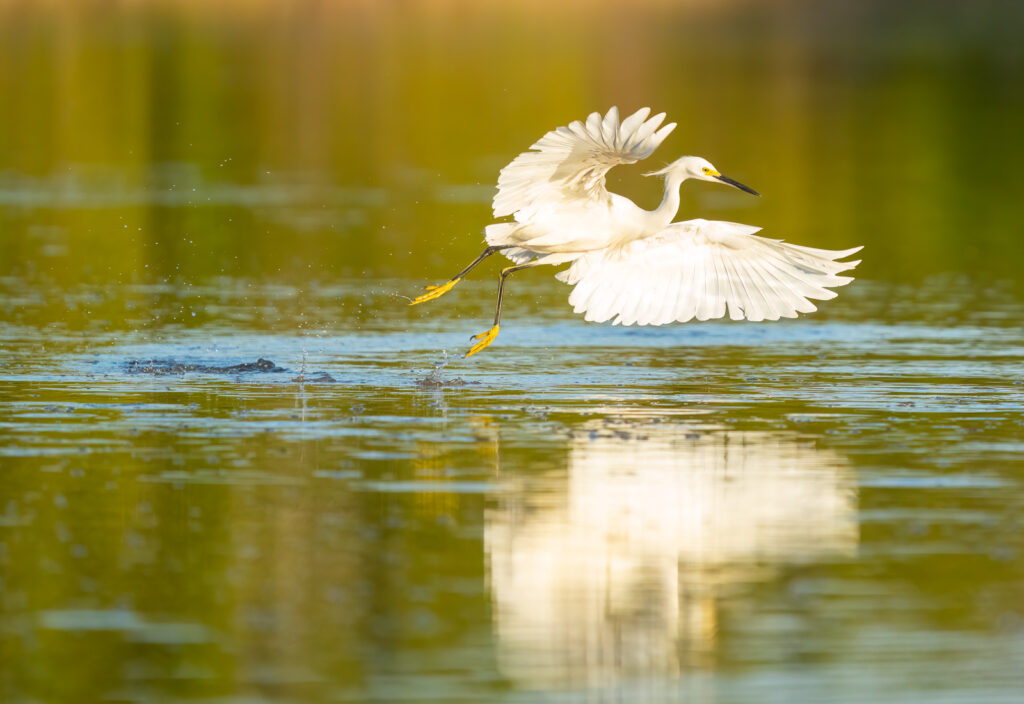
161	367
435	379
433	382
319	378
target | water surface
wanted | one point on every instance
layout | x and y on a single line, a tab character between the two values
826	507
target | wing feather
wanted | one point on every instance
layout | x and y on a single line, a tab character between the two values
688	288
704	269
736	292
667	305
789	291
571	162
703	311
758	300
698	289
721	284
630	124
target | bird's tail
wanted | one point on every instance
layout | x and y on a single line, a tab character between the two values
504	233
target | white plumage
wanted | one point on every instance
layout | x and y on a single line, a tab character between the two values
568	164
701	269
634	266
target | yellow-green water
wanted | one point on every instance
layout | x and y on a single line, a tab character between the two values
821	510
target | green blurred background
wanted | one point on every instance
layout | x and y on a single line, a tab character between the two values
305	140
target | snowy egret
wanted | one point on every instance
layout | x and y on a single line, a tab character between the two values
636	266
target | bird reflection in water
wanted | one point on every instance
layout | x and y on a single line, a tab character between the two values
617	572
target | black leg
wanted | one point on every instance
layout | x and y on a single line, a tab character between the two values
483	255
438	291
486	338
501	287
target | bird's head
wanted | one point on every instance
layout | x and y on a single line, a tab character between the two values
698	168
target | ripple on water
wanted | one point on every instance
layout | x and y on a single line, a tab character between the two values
631	508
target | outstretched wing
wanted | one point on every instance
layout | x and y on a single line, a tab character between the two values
571	162
704	269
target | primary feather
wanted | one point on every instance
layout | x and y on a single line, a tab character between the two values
557	193
570	163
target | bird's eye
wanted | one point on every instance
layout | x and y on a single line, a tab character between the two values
706	170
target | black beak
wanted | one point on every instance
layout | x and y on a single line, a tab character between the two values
737	184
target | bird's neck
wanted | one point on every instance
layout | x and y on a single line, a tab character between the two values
662	216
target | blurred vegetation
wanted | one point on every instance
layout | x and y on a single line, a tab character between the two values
314	141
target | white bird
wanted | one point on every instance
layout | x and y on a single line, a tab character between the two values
636	266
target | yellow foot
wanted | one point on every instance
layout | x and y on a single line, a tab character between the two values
435	292
485	339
